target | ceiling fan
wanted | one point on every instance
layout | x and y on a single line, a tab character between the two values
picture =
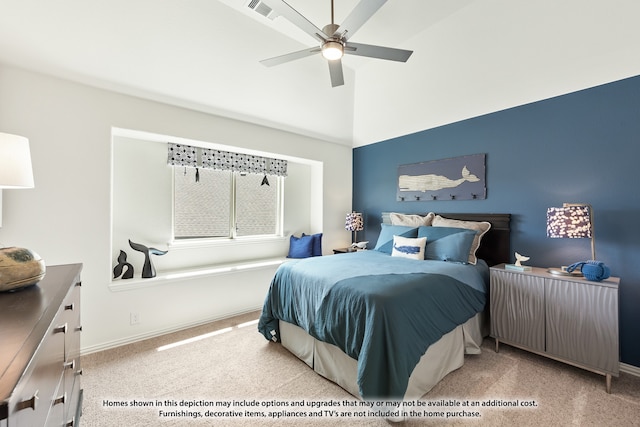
334	39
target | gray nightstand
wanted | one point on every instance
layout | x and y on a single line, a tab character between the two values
566	318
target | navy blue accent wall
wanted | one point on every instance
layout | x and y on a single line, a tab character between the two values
581	147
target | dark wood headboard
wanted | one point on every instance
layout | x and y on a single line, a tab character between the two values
495	247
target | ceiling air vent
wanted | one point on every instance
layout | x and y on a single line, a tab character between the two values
261	8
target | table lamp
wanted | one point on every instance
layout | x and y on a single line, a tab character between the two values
572	221
354	223
19	267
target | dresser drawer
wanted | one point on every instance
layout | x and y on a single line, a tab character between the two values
73	370
40	351
36	393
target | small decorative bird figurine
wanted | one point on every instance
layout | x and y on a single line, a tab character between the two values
520	259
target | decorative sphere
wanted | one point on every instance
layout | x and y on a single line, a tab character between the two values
20	267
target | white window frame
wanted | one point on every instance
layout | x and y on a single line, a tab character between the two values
232	237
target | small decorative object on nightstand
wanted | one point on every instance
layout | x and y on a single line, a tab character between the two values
595	271
359	245
518	265
566	318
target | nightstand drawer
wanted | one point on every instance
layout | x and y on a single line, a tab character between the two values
582	324
517	309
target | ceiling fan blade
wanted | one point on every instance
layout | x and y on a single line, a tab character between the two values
379	52
358	16
296	18
277	60
335	72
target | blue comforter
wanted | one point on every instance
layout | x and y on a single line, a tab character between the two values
382	311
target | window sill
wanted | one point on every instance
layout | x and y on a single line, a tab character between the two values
221	242
163	278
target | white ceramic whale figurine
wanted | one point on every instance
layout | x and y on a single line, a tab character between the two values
520	259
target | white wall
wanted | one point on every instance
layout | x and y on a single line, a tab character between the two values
66	218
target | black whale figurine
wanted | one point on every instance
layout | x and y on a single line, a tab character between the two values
148	270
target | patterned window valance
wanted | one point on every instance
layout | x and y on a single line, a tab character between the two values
182	155
185	155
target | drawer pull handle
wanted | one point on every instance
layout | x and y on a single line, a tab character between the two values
79	328
70	365
69	307
79	283
29	403
61	328
70	423
60	399
79	372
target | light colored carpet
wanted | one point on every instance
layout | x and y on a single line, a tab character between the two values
238	364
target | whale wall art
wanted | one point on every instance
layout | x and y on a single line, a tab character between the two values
457	178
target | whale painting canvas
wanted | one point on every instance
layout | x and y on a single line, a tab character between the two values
458	178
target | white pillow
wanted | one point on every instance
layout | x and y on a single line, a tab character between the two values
407	247
411	220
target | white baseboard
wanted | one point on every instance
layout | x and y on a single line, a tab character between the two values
630	369
152	334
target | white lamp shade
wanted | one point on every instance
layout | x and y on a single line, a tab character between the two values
15	162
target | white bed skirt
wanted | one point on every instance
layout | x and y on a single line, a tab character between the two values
442	357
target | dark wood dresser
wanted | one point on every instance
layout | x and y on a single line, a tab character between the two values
40	351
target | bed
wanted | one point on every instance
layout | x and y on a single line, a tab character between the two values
390	323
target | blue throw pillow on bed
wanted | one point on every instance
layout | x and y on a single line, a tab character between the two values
300	247
385	239
447	243
316	246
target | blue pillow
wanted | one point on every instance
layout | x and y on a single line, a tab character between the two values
385	239
447	243
300	247
316	247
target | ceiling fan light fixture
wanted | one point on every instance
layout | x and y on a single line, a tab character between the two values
332	50
334	39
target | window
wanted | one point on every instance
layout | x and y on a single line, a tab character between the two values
203	208
143	200
257	205
226	204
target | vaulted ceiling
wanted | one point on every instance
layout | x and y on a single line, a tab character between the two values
471	57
